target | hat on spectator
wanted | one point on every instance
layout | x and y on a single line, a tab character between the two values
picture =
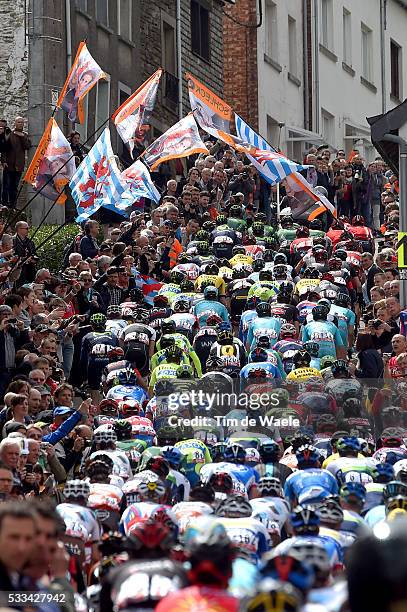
41	424
43	390
12	427
61	411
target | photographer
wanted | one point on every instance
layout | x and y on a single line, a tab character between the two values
11	339
244	184
360	182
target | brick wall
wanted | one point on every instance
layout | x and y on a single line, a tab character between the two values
13	61
240	60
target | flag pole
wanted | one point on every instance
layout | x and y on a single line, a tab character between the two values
278	202
18	213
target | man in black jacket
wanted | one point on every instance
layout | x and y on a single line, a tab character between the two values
25	247
370	269
88	246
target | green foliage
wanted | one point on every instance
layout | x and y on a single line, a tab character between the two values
51	255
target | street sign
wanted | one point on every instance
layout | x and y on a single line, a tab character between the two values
402	250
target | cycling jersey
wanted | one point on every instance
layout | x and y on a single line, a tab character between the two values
277	506
80	522
332	547
140	511
232	355
205	308
248	534
196	454
313	481
199	598
245	320
187	511
211	279
263	326
121	463
244	473
105	497
271	369
303	374
121	392
326	334
352	469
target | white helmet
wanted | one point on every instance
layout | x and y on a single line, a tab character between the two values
76	489
104	434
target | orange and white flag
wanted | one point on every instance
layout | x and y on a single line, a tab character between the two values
181	140
136	111
53	164
83	75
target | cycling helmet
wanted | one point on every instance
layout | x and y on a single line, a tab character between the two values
342	299
180	305
211	292
349	444
221	220
397	502
286	220
202	247
326	361
320	313
234	506
335	263
141	315
329	510
358	220
390	438
286	288
166	341
269	451
202	236
238	250
313	553
174	352
114	310
76	489
252	456
214	364
394	488
269	486
207	226
265	275
108	407
288	330
150	535
312	348
115	353
184	258
97	467
263	342
127	377
301	359
158	465
218	451
268	254
187	286
300	439
383	473
136	295
258	265
304	520
104	436
123	429
339	366
168	326
234	453
98	320
185	372
225	337
280	272
263	309
221	482
258	355
307	456
211	269
353	489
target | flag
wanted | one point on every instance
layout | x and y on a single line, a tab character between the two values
139	185
83	75
53	158
97	181
149	285
271	164
303	198
136	111
211	112
181	140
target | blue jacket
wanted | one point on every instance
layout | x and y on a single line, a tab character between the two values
64	429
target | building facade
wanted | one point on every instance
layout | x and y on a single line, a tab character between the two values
321	67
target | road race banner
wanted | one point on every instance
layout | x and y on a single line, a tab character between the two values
139	185
211	112
303	198
53	160
84	74
136	111
181	140
97	181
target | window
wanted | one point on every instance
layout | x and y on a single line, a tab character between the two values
292	46
271	31
82	5
169	62
200	29
347	37
367	53
122	151
327	19
124	18
273	131
395	72
328	127
102	12
102	102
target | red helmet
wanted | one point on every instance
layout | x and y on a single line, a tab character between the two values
288	331
358	220
335	263
109	406
152	535
115	353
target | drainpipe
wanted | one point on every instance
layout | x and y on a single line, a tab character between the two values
305	63
179	59
316	65
68	35
383	26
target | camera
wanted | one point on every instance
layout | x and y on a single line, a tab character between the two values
377	323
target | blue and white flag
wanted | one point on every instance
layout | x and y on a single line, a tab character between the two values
139	185
97	181
273	166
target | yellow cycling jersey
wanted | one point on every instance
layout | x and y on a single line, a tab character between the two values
305	284
334	457
303	374
240	259
218	282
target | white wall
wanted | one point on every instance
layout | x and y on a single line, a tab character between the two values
279	97
396	31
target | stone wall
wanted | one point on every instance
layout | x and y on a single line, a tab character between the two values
13	60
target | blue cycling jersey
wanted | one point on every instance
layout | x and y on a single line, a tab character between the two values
326	334
304	480
206	308
120	392
264	326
